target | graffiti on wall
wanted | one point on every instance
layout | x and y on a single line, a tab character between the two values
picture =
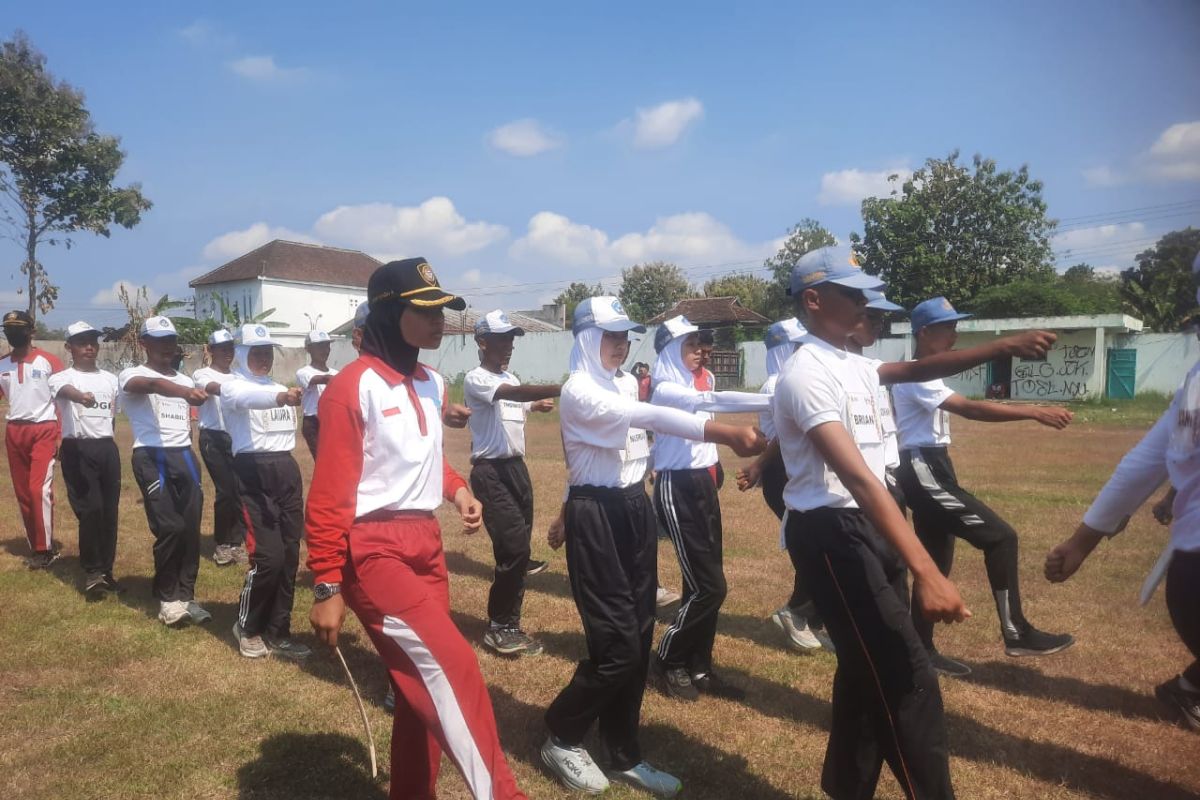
1063	375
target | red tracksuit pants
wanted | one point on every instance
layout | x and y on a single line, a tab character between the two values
395	581
31	449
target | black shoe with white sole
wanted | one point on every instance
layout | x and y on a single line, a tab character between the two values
535	567
1183	703
673	681
944	665
511	641
711	683
1032	642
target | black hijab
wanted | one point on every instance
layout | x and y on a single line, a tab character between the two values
392	289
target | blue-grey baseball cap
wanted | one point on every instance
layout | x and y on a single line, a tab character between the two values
830	265
933	311
787	331
877	301
604	312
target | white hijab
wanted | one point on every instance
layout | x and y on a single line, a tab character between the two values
777	355
669	368
241	368
585	356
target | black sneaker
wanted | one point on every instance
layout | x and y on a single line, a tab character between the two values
944	665
288	648
535	567
111	585
93	587
713	684
1032	642
1184	704
43	559
512	641
673	681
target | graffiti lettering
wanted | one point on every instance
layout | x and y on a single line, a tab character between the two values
1063	375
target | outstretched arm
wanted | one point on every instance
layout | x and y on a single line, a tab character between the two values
984	411
1029	345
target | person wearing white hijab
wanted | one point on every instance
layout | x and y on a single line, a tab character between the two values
688	508
260	417
608	525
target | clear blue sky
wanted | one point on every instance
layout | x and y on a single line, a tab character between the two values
693	132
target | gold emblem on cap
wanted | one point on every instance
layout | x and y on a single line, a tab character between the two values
426	273
813	277
946	305
853	261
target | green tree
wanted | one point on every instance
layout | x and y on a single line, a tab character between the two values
575	294
56	173
752	291
1063	296
1161	290
955	230
650	289
1080	274
805	236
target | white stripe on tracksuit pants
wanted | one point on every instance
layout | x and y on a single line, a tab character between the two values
689	510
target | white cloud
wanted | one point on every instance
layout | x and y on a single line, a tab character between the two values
664	124
690	239
1174	156
263	69
110	296
1103	246
849	187
203	33
235	243
174	284
435	227
524	138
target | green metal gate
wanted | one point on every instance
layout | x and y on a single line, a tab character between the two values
1122	373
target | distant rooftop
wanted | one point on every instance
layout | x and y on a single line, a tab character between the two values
712	312
1121	322
296	261
459	322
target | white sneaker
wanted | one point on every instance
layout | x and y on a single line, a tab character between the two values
172	612
664	597
197	612
574	767
249	646
645	777
823	637
795	627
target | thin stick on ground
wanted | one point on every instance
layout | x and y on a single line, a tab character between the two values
362	710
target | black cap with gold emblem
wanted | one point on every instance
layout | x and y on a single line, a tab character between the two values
18	319
410	281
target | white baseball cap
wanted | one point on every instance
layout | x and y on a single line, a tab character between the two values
158	327
255	334
672	329
80	328
360	315
496	322
604	312
314	337
220	336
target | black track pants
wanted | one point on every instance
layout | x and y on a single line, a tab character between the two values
504	488
612	563
886	702
272	496
216	448
170	482
91	469
1183	603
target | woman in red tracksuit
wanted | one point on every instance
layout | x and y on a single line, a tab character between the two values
375	545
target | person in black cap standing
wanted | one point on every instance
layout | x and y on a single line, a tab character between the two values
499	477
374	543
216	448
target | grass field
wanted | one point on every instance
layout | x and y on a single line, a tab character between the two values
98	700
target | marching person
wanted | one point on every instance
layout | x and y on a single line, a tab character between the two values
216	448
609	529
260	417
943	510
499	477
87	400
375	545
689	509
31	436
312	379
155	398
1170	451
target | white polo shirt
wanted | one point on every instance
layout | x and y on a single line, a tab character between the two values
887	420
255	421
497	426
26	385
311	394
822	384
156	421
920	419
210	412
79	422
601	446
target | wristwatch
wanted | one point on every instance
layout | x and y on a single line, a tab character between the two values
324	591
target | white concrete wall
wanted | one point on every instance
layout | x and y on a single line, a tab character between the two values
1163	359
302	307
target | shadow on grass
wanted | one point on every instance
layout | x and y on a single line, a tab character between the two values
1022	680
553	581
310	766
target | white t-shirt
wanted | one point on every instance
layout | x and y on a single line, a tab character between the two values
210	412
766	418
156	421
311	394
26	385
823	384
602	448
497	426
921	420
255	421
887	420
79	422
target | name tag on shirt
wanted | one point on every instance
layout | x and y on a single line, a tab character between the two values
102	410
941	423
886	421
636	445
865	419
511	411
172	414
278	420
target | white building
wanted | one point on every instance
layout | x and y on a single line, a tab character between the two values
308	286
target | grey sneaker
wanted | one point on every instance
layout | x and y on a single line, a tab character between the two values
573	766
1184	704
197	612
288	648
249	646
240	555
512	641
665	597
94	586
172	612
673	681
795	627
535	567
647	778
224	555
42	560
